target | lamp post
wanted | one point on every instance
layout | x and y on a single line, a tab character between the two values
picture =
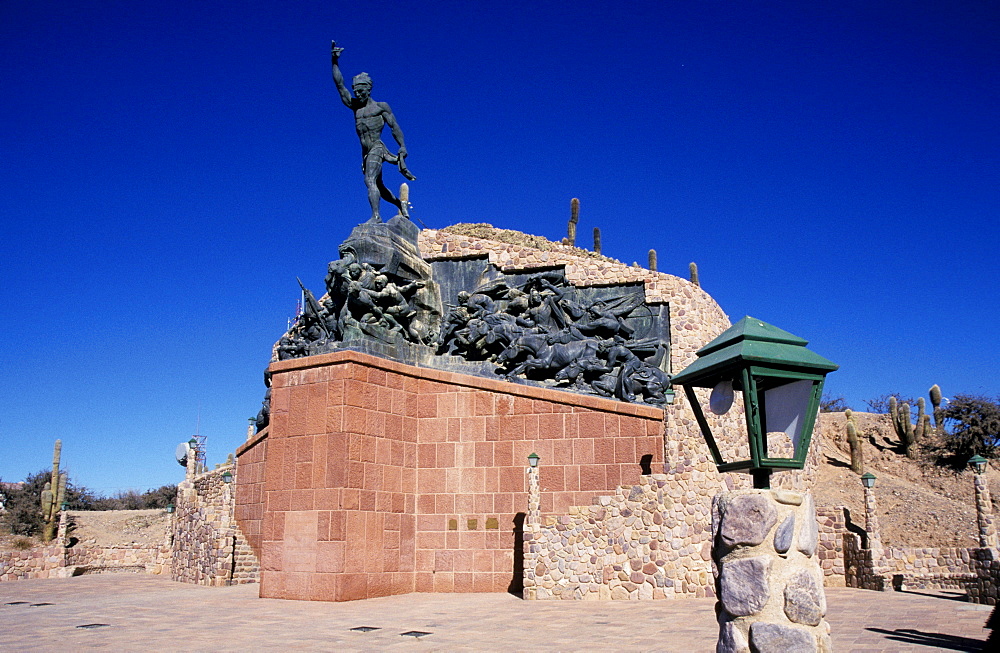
871	518
984	504
770	583
534	491
781	382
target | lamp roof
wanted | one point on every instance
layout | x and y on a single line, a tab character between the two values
751	341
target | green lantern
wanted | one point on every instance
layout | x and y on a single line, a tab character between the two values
978	464
781	382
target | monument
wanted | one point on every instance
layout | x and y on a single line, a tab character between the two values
389	454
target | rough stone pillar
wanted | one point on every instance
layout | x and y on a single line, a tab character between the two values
872	529
534	498
984	512
767	575
192	464
63	528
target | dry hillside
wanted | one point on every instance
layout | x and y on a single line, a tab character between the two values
918	504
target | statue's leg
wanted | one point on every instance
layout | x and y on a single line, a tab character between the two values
388	196
373	180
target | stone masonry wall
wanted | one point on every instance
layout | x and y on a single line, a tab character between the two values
832	523
625	546
207	542
115	559
249	508
39	562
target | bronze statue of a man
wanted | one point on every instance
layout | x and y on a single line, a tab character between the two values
369	119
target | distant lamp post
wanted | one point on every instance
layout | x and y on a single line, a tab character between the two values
533	460
227	476
781	382
534	492
171	508
669	396
984	504
871	517
65	506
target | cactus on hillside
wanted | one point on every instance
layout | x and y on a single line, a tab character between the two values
652	260
574	217
693	269
909	434
857	458
597	240
935	393
53	496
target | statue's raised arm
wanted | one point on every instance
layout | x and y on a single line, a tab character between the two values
338	77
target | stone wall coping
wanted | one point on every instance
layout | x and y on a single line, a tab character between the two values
456	378
253	442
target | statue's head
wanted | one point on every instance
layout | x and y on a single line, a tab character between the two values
362	85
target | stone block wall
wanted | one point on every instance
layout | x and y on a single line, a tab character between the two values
984	587
249	497
207	541
39	562
384	478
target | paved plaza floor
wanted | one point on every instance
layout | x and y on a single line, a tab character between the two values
145	613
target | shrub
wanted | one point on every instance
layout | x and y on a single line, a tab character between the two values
972	427
830	404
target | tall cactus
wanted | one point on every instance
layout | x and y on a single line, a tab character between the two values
574	217
857	458
597	240
53	495
693	269
652	260
909	434
935	393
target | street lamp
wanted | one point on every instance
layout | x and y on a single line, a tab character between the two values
978	464
781	382
533	459
227	476
868	480
171	508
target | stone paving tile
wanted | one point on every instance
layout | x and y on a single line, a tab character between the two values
146	613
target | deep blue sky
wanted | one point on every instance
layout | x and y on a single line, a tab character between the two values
168	168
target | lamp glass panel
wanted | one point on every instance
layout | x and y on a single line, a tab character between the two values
785	409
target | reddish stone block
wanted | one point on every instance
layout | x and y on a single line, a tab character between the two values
503	454
271	555
353	586
625	450
355	419
330	557
491	483
465	504
396	456
550	425
512	479
325	587
272	585
592	477
484	404
427	543
366	499
393	427
377	377
392	478
323	525
612	426
427	406
424	582
531	431
338	522
302	500
432	430
444	560
444	581
503	404
483	503
398	406
409	480
351	499
444	504
482	582
463	582
355	474
591	425
553	477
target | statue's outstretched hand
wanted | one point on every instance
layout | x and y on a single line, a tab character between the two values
335	51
